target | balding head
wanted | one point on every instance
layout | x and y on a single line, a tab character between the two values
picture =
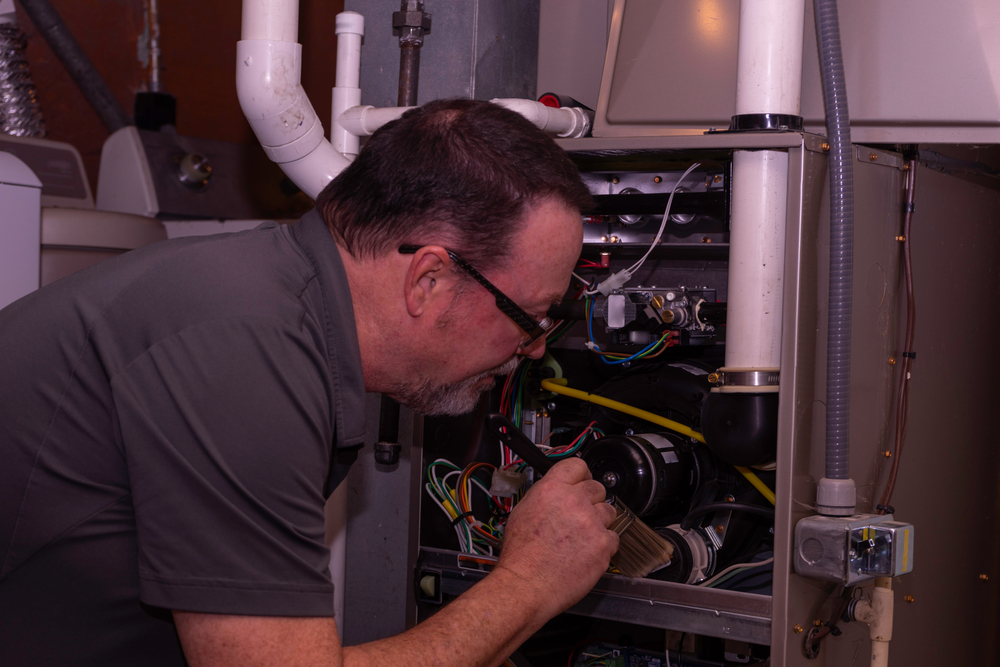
461	173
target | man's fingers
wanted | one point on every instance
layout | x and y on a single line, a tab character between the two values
608	513
569	471
595	491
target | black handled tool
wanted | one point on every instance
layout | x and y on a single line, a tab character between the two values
518	442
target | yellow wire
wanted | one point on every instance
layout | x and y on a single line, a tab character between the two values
757	483
558	386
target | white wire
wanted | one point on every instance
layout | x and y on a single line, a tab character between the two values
737	566
663	223
463	545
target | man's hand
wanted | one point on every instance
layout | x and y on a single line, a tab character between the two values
557	539
556	547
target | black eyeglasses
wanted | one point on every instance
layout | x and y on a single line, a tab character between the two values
528	324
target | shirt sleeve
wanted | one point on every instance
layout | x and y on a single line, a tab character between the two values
227	433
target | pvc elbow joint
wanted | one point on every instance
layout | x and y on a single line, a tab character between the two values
267	84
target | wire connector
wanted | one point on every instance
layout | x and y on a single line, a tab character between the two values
614	282
506	483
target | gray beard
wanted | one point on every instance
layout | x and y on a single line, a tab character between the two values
430	398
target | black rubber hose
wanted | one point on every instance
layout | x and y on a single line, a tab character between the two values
76	62
688	522
838	131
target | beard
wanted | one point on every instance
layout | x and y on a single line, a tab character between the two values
436	399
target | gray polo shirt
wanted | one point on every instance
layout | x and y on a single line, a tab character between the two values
169	427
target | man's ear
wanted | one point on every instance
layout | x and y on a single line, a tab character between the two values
427	279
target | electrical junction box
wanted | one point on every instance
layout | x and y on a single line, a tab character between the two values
852	549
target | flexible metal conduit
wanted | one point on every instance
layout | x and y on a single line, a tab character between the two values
838	130
76	62
20	113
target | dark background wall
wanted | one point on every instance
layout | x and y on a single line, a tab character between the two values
198	63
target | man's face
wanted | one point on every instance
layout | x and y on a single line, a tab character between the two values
475	342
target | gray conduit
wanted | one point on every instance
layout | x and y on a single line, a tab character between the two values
61	40
838	130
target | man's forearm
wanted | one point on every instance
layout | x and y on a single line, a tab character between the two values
481	627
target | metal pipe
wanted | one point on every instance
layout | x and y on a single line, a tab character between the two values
411	23
76	62
409	73
154	48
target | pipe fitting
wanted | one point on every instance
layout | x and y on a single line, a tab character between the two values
566	122
363	120
876	610
267	85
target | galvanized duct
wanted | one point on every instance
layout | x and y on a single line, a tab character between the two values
20	113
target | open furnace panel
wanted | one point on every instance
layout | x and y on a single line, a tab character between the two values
650	346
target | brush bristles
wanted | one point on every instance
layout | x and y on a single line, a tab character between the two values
640	549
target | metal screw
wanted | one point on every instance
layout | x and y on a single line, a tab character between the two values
615	180
900	238
798	629
626	364
718	179
984	577
609	479
729	499
629	431
604	239
909	598
713	378
818	623
657	179
706	239
657	302
550	407
873	157
614	239
906	167
887	454
892	361
826	146
720	529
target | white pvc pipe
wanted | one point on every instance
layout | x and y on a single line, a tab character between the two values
276	20
769	80
769	61
350	28
756	266
268	73
361	121
568	122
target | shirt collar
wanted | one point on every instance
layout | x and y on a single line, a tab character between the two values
344	353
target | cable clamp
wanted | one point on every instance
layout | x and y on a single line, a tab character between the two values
909	207
834	630
910	355
460	518
888	509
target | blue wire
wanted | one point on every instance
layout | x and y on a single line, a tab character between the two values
590	332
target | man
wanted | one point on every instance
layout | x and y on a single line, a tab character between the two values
166	418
